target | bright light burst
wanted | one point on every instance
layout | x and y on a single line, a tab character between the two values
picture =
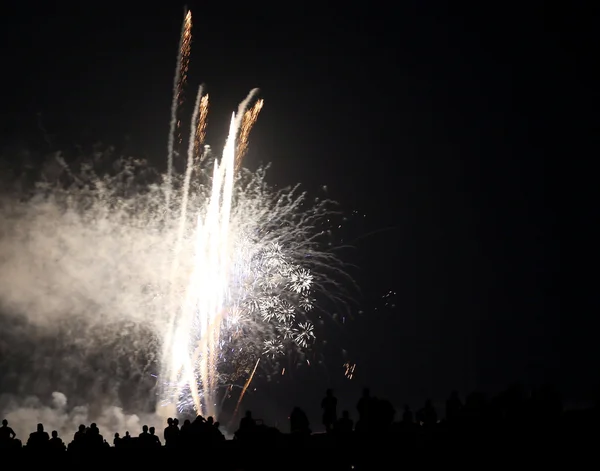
250	286
222	268
250	294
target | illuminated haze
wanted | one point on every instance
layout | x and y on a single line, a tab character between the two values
184	281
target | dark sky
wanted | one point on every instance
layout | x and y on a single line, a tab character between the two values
463	135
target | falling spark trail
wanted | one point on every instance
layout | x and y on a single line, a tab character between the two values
244	390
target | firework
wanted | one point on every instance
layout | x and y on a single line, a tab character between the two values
247	295
349	369
183	59
248	122
232	285
200	133
222	269
245	388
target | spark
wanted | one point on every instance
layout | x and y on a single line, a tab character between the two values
179	80
184	65
349	369
244	390
200	133
248	122
185	46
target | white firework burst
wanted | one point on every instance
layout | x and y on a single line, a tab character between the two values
301	280
220	267
304	334
273	349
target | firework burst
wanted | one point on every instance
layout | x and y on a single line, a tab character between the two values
249	288
224	270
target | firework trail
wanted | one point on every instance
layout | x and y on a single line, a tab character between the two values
248	122
190	167
181	69
248	381
186	187
168	344
200	133
184	64
183	59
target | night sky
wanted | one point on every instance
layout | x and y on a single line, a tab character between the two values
457	140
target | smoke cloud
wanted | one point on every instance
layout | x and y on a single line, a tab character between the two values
79	304
57	414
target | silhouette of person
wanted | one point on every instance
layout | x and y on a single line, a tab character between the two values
127	440
383	414
93	436
38	439
144	438
217	435
453	407
144	432
345	423
247	423
56	443
427	415
364	407
299	422
80	434
168	430
185	433
407	415
198	426
6	433
329	406
171	432
154	438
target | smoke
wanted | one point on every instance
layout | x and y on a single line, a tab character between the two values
76	280
57	263
57	414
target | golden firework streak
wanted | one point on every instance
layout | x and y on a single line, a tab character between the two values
248	381
183	60
184	65
200	134
248	121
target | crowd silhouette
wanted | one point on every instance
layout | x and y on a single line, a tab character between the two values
514	421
